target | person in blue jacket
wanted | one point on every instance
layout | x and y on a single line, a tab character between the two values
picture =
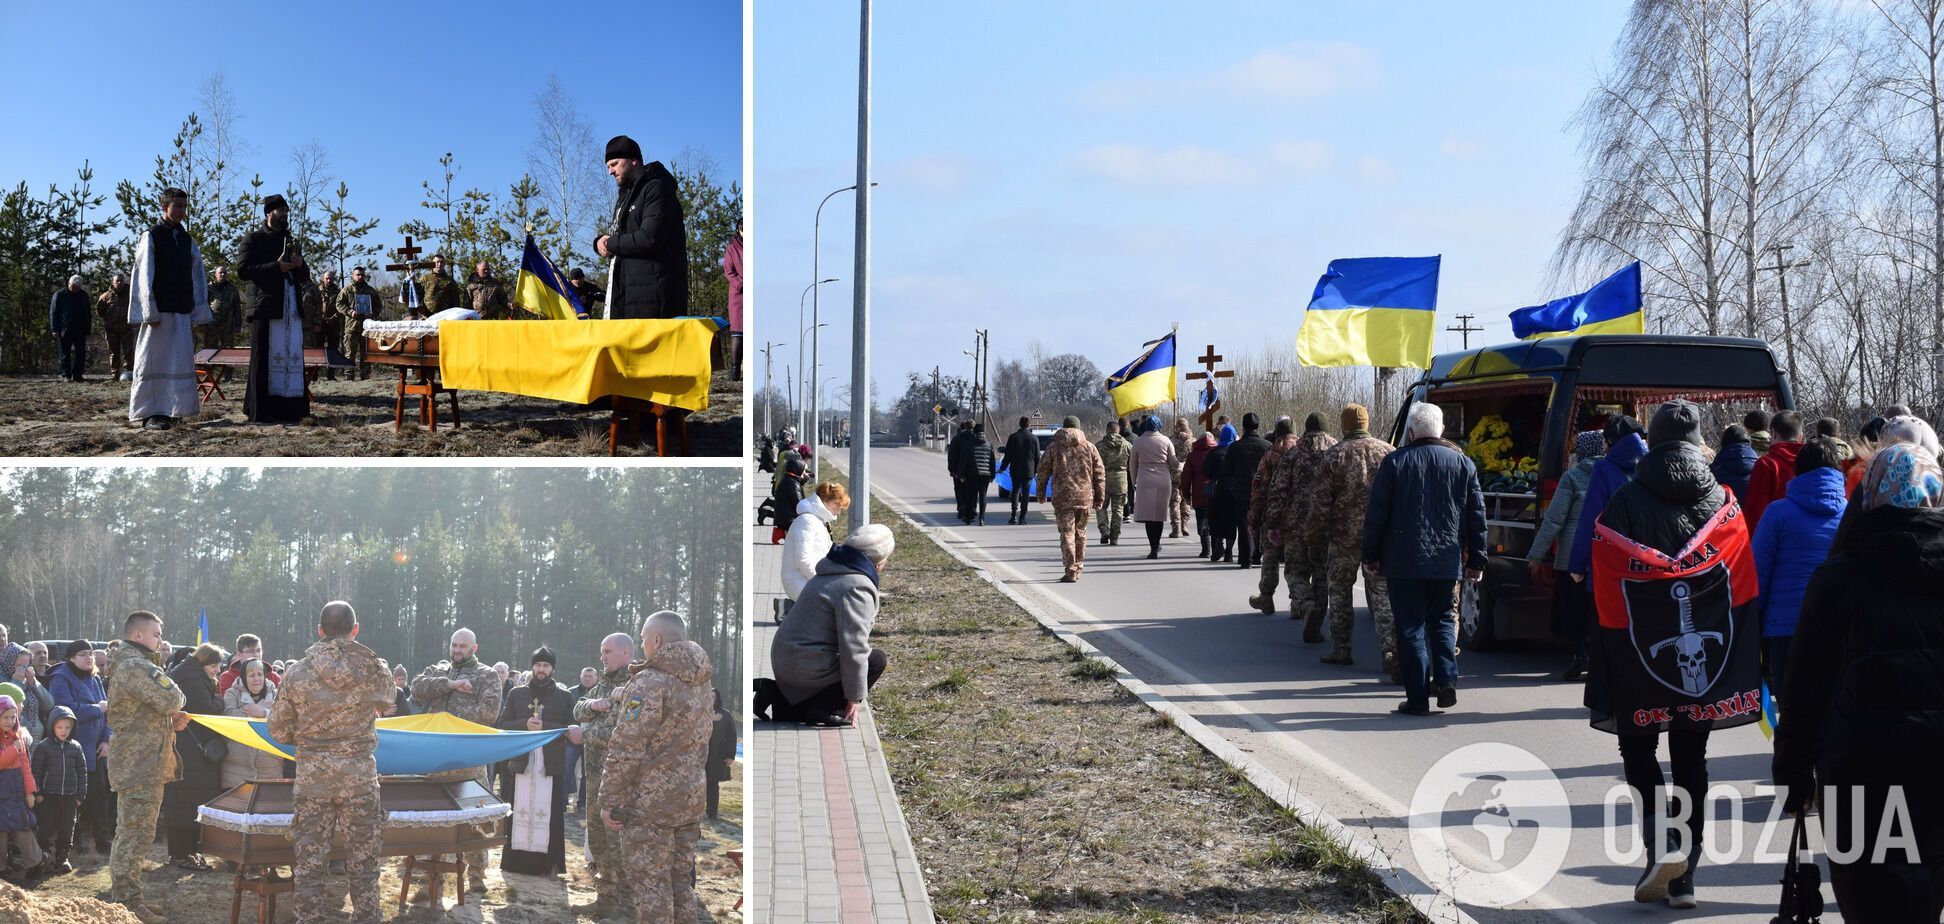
1625	448
1735	461
1793	539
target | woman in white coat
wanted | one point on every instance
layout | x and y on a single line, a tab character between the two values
808	540
1155	468
250	696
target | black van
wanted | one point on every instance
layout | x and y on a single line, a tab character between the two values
1517	406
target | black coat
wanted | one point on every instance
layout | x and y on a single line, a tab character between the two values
260	284
979	455
650	247
957	462
1426	517
556	711
1239	465
202	778
1672	496
722	746
1022	457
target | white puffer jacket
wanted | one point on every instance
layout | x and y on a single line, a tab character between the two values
807	542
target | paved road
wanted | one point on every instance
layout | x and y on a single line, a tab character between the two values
1184	626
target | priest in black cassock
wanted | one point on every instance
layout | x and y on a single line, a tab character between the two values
535	783
272	272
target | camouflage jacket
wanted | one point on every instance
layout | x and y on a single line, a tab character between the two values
225	304
327	708
441	293
1072	472
1343	481
597	727
656	763
1182	444
112	307
1298	485
488	297
1266	500
142	703
1116	454
482	705
327	316
347	310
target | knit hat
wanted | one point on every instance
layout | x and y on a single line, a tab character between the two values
1355	417
1284	427
1071	422
12	695
1251	422
1312	423
76	647
1589	444
1901	475
274	202
622	146
1734	433
1677	420
543	653
1152	423
1620	427
874	540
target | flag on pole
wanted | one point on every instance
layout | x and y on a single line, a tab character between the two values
542	290
202	625
1612	306
1372	311
1148	381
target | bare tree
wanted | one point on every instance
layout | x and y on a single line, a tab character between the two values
310	182
564	160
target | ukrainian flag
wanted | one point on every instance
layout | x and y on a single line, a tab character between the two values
1612	306
542	290
1372	311
202	626
1148	381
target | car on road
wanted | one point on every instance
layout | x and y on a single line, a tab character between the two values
1514	408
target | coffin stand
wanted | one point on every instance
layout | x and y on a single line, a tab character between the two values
250	826
213	365
417	362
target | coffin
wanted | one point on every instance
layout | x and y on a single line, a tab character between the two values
403	349
250	824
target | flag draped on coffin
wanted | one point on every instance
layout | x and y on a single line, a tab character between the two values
1678	640
542	290
1372	311
409	745
1148	381
1612	306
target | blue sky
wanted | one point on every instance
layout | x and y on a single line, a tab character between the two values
386	87
1085	174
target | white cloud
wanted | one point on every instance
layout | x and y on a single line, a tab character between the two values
1375	170
1129	163
933	173
1461	148
1303	70
1307	157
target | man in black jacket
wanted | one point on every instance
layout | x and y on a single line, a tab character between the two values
979	457
649	245
1022	460
67	317
958	464
1238	477
273	274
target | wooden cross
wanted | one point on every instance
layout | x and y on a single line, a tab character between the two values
1208	361
407	289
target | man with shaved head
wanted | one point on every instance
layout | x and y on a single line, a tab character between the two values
654	795
470	690
595	713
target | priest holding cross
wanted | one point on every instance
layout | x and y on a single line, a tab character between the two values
535	783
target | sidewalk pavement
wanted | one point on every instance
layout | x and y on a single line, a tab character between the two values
830	842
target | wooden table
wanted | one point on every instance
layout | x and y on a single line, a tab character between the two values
210	361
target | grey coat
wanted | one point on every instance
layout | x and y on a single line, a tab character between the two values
1562	516
825	638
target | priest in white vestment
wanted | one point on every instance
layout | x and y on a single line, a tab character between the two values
535	784
168	294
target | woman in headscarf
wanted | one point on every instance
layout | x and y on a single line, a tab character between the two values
1194	485
1863	723
1154	466
1221	524
1572	604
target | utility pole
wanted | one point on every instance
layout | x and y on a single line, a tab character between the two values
1275	383
1781	270
860	457
768	345
936	413
1464	330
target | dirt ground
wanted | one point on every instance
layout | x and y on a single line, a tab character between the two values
46	416
1038	789
195	898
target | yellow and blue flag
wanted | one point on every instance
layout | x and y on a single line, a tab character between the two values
1148	381
1612	306
202	626
1372	311
542	290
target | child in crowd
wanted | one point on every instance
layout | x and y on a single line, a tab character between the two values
17	797
61	772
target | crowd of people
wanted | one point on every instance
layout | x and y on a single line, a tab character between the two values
98	753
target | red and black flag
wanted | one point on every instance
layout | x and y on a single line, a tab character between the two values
1679	637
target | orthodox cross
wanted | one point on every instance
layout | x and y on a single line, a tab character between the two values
1212	397
408	293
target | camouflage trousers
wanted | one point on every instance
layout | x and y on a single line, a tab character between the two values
603	846
134	834
1180	511
359	821
660	862
1307	569
1073	536
1111	516
1344	568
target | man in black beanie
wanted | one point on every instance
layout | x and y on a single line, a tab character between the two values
535	783
273	273
649	247
1238	477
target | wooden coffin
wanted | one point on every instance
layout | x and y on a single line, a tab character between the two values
250	824
403	351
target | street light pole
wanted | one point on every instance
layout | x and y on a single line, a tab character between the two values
802	432
768	345
816	311
860	457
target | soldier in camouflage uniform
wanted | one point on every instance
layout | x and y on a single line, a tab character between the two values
226	313
1305	563
472	691
487	295
440	291
1072	474
330	327
654	792
327	708
596	713
352	323
144	713
1266	503
1343	480
1181	509
1116	455
113	309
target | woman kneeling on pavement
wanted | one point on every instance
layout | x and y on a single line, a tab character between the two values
822	654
